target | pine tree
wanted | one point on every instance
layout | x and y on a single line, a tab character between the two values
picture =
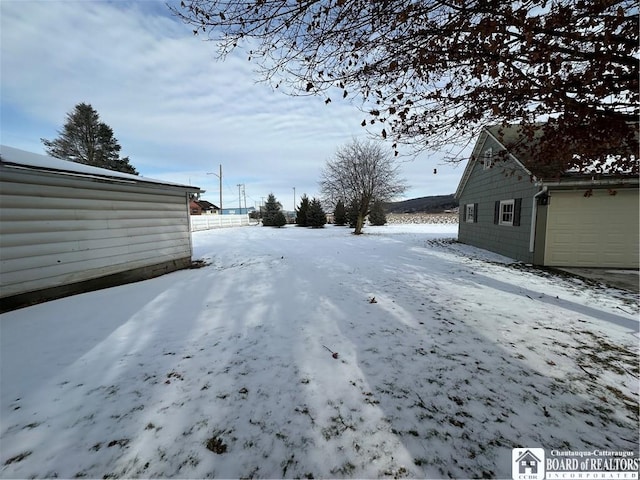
273	216
316	217
85	139
340	214
352	213
302	212
377	215
279	220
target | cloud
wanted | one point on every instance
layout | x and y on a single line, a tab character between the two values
176	111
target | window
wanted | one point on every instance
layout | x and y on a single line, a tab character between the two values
487	161
471	212
507	212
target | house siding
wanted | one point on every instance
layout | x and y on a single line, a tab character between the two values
61	229
596	230
505	180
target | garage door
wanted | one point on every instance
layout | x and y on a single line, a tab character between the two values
594	231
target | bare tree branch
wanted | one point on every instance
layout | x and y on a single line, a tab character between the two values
360	173
432	73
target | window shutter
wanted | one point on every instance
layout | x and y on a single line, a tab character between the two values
464	212
496	212
517	206
475	213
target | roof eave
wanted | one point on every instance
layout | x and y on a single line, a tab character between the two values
106	177
471	162
629	181
512	156
475	154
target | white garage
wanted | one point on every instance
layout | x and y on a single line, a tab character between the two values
67	227
593	228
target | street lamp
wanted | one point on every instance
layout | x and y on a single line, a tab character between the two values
220	177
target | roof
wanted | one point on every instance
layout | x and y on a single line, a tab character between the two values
14	157
546	151
204	204
515	138
522	145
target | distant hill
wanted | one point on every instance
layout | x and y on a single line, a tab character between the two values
434	204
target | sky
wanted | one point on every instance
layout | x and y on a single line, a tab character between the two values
177	112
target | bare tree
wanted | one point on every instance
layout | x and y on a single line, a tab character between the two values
433	72
361	172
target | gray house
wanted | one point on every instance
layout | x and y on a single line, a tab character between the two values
67	227
510	204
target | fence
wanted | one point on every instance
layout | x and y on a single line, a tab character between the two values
208	222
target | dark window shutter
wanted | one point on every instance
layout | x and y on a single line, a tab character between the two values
475	213
464	212
517	206
496	212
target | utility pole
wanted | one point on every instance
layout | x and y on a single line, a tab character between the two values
239	197
244	196
220	178
294	199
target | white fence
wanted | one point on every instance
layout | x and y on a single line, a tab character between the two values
208	222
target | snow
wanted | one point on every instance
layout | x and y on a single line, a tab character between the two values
448	357
33	160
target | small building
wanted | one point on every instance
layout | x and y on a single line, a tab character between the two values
67	228
237	211
194	207
510	204
202	207
207	207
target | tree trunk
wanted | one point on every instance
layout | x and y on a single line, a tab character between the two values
359	224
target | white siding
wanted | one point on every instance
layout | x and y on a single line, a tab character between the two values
595	231
57	229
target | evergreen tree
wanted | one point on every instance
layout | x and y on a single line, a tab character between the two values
377	215
352	212
316	217
302	212
340	214
273	216
85	139
279	220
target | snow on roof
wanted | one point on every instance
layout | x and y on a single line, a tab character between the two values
525	148
521	149
21	158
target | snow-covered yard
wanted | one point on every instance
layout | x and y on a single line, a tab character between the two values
447	357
